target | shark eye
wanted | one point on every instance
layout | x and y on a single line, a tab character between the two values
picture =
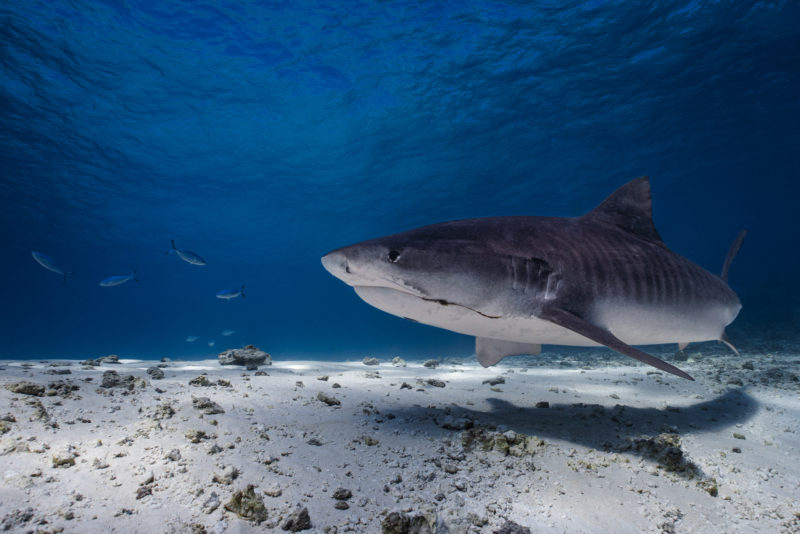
393	255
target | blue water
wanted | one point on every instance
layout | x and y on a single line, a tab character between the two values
261	135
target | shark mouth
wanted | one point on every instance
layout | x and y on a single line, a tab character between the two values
446	303
369	292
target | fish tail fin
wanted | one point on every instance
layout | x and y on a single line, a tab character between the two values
735	246
171	250
134	276
64	280
724	338
242	290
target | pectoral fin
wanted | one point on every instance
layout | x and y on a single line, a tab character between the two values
490	351
599	334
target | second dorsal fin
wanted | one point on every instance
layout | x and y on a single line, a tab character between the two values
630	208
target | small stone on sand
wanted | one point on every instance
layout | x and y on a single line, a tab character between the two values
297	521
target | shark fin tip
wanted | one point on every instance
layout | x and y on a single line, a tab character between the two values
724	339
735	246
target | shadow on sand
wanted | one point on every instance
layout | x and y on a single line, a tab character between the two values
611	429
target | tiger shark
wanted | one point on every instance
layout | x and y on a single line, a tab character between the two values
517	282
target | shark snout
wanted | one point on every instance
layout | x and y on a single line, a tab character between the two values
336	263
354	266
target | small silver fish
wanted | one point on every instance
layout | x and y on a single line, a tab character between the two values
191	339
119	279
211	343
49	263
227	333
229	294
186	255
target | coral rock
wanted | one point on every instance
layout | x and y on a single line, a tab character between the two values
247	505
247	356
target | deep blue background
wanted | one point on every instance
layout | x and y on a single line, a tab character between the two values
263	134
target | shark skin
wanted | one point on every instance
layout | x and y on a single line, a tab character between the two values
515	283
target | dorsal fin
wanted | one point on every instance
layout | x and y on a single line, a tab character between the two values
735	246
630	208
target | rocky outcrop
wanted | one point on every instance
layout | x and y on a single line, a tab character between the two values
247	505
248	356
26	388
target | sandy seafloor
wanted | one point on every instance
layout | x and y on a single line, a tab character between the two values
563	444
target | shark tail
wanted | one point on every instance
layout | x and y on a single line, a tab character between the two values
724	339
171	250
242	290
735	246
134	276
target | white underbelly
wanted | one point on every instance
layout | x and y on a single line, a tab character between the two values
635	325
644	325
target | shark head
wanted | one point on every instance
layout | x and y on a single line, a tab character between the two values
419	273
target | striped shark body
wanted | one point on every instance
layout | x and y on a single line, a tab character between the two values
515	283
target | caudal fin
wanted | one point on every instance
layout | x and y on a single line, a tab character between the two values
735	246
724	338
171	250
242	290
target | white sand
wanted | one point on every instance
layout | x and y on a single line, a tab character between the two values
392	449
